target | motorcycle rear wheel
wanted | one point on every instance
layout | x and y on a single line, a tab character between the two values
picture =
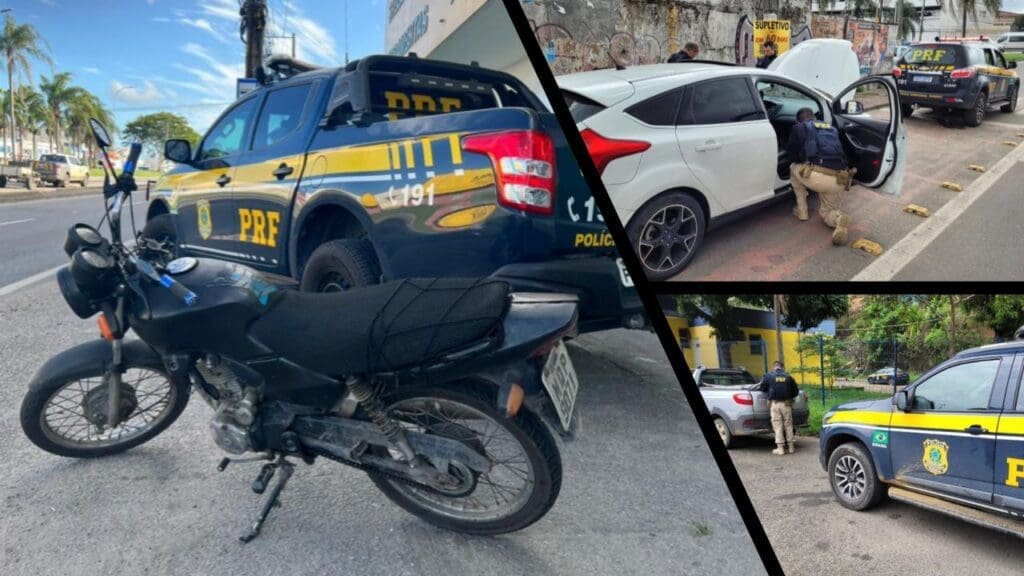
473	405
53	414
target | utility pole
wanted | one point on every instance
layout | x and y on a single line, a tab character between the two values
254	24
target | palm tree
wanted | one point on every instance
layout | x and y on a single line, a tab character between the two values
18	43
33	114
58	91
965	7
80	108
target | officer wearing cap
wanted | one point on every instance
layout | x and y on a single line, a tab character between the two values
819	165
781	390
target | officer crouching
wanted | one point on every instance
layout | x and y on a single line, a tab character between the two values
781	390
822	168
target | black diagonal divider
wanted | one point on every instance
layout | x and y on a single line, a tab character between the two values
644	289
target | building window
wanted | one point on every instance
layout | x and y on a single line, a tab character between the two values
684	338
756	345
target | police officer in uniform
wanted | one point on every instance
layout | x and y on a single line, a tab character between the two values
819	165
781	390
689	52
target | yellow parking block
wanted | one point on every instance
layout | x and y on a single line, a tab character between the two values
976	167
953	186
919	210
1009	142
873	248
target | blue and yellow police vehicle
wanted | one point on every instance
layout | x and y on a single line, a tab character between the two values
953	441
393	167
960	75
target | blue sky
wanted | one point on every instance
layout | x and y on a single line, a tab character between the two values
142	56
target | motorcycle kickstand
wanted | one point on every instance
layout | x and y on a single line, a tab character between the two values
286	469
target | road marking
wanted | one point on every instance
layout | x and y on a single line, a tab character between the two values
8	223
25	282
1004	125
910	246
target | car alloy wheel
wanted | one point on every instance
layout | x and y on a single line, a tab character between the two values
850	478
668	237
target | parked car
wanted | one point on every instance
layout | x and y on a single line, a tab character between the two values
61	170
951	442
736	407
957	76
393	167
885	376
1011	42
684	147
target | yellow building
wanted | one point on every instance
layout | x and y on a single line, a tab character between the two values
755	352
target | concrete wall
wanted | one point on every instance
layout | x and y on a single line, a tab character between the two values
599	33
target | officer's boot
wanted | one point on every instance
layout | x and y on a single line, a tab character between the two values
780	450
792	447
839	235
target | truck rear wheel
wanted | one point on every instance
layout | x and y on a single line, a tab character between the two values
976	115
340	265
1011	103
854	480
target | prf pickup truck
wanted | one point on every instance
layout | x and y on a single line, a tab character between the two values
393	167
952	442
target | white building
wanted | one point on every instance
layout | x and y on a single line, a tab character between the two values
939	19
460	31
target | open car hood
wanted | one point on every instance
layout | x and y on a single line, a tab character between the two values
827	64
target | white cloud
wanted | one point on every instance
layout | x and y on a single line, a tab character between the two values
223	9
91	70
133	94
48	2
216	80
313	42
198	23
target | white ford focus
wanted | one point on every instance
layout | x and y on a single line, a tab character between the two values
684	147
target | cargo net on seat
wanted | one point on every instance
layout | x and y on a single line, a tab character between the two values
425	319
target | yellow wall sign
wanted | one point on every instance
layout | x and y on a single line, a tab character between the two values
778	31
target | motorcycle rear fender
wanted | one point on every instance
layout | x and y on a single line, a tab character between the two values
90	358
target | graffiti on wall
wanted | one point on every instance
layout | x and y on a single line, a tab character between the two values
594	51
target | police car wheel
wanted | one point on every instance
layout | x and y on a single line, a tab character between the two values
976	115
340	265
1011	103
854	481
666	233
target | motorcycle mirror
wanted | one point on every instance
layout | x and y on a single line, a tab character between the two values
99	132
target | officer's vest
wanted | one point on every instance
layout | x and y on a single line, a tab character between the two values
822	145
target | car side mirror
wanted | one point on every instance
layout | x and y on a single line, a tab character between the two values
902	400
178	150
854	107
1011	65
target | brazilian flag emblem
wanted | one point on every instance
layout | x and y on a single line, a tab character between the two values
880	439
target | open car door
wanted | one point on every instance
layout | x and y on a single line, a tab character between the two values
867	115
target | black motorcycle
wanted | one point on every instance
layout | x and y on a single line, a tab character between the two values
441	390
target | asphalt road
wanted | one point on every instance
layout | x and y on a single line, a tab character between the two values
32	232
812	534
640	495
773	245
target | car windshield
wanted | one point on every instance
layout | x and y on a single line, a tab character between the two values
727	378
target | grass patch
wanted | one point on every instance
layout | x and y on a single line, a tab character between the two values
701	529
1014	56
833	397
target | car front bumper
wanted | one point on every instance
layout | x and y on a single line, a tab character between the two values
605	301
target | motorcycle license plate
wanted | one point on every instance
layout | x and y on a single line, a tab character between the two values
624	276
559	378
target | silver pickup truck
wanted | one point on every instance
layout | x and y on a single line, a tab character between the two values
61	170
737	407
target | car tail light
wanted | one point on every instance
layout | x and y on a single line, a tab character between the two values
743	398
603	150
962	73
524	164
896	72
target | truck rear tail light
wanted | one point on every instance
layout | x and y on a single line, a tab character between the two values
603	150
743	398
524	165
962	73
896	72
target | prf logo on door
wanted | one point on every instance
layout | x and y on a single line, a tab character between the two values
1015	471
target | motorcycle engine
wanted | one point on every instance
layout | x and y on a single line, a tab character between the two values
235	405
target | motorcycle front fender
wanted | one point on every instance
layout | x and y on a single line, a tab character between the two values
93	358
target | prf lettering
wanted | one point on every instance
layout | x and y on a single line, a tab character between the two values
1015	471
419	103
258	226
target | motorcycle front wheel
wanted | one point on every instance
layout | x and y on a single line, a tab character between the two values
67	417
526	472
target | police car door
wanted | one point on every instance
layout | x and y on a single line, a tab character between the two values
1009	461
268	173
203	195
945	438
867	115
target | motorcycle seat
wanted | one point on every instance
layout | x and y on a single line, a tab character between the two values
382	328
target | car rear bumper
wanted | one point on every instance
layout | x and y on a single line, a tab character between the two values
960	100
749	425
605	302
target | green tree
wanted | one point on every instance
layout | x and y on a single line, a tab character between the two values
18	44
58	92
33	116
822	353
154	129
1003	313
83	106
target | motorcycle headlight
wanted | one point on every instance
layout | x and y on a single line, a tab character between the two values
82	236
73	295
93	272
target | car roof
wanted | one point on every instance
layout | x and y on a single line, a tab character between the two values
609	86
1011	347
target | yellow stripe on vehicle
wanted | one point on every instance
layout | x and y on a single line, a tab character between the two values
428	152
958	422
1011	424
410	157
456	143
